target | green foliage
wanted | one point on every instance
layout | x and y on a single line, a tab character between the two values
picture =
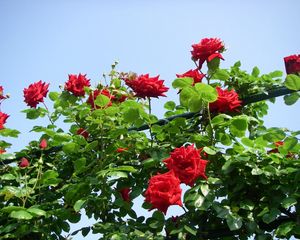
253	172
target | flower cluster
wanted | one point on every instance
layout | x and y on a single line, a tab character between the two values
292	64
194	74
207	49
185	165
76	84
228	101
146	87
3	116
35	93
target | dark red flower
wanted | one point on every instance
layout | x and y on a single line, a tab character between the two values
194	74
24	163
145	86
119	150
97	92
277	144
83	132
163	191
1	93
3	118
43	144
125	194
76	84
35	93
292	64
207	49
187	164
228	101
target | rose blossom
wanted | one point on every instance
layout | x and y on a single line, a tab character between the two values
125	194
1	93
145	86
187	164
24	163
35	93
76	84
228	101
3	118
119	150
83	132
163	191
292	64
194	74
2	151
97	92
43	144
207	49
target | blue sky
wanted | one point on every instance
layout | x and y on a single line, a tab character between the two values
47	40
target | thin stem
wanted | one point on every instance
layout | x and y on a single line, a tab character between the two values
211	127
48	113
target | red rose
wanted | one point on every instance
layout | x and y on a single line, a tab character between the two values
228	101
76	84
119	150
207	49
163	191
292	64
43	144
187	164
96	93
145	86
192	74
125	194
24	163
3	117
35	93
2	151
83	132
1	93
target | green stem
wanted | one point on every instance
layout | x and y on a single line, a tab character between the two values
48	113
210	125
150	125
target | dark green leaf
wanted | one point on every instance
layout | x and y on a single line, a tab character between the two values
255	72
170	105
290	99
234	222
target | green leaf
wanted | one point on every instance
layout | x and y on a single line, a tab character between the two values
195	104
191	230
70	148
186	94
170	105
207	92
131	115
8	176
182	82
290	99
34	113
234	222
255	72
10	209
292	82
79	204
7	132
221	74
53	96
284	229
238	126
290	143
271	216
247	142
36	211
79	164
209	151
289	202
204	189
158	216
102	100
21	215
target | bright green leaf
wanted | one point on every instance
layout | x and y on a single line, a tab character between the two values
79	204
182	82
292	82
21	215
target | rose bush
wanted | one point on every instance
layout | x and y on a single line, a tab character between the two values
240	181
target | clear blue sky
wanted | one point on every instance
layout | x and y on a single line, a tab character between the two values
48	40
